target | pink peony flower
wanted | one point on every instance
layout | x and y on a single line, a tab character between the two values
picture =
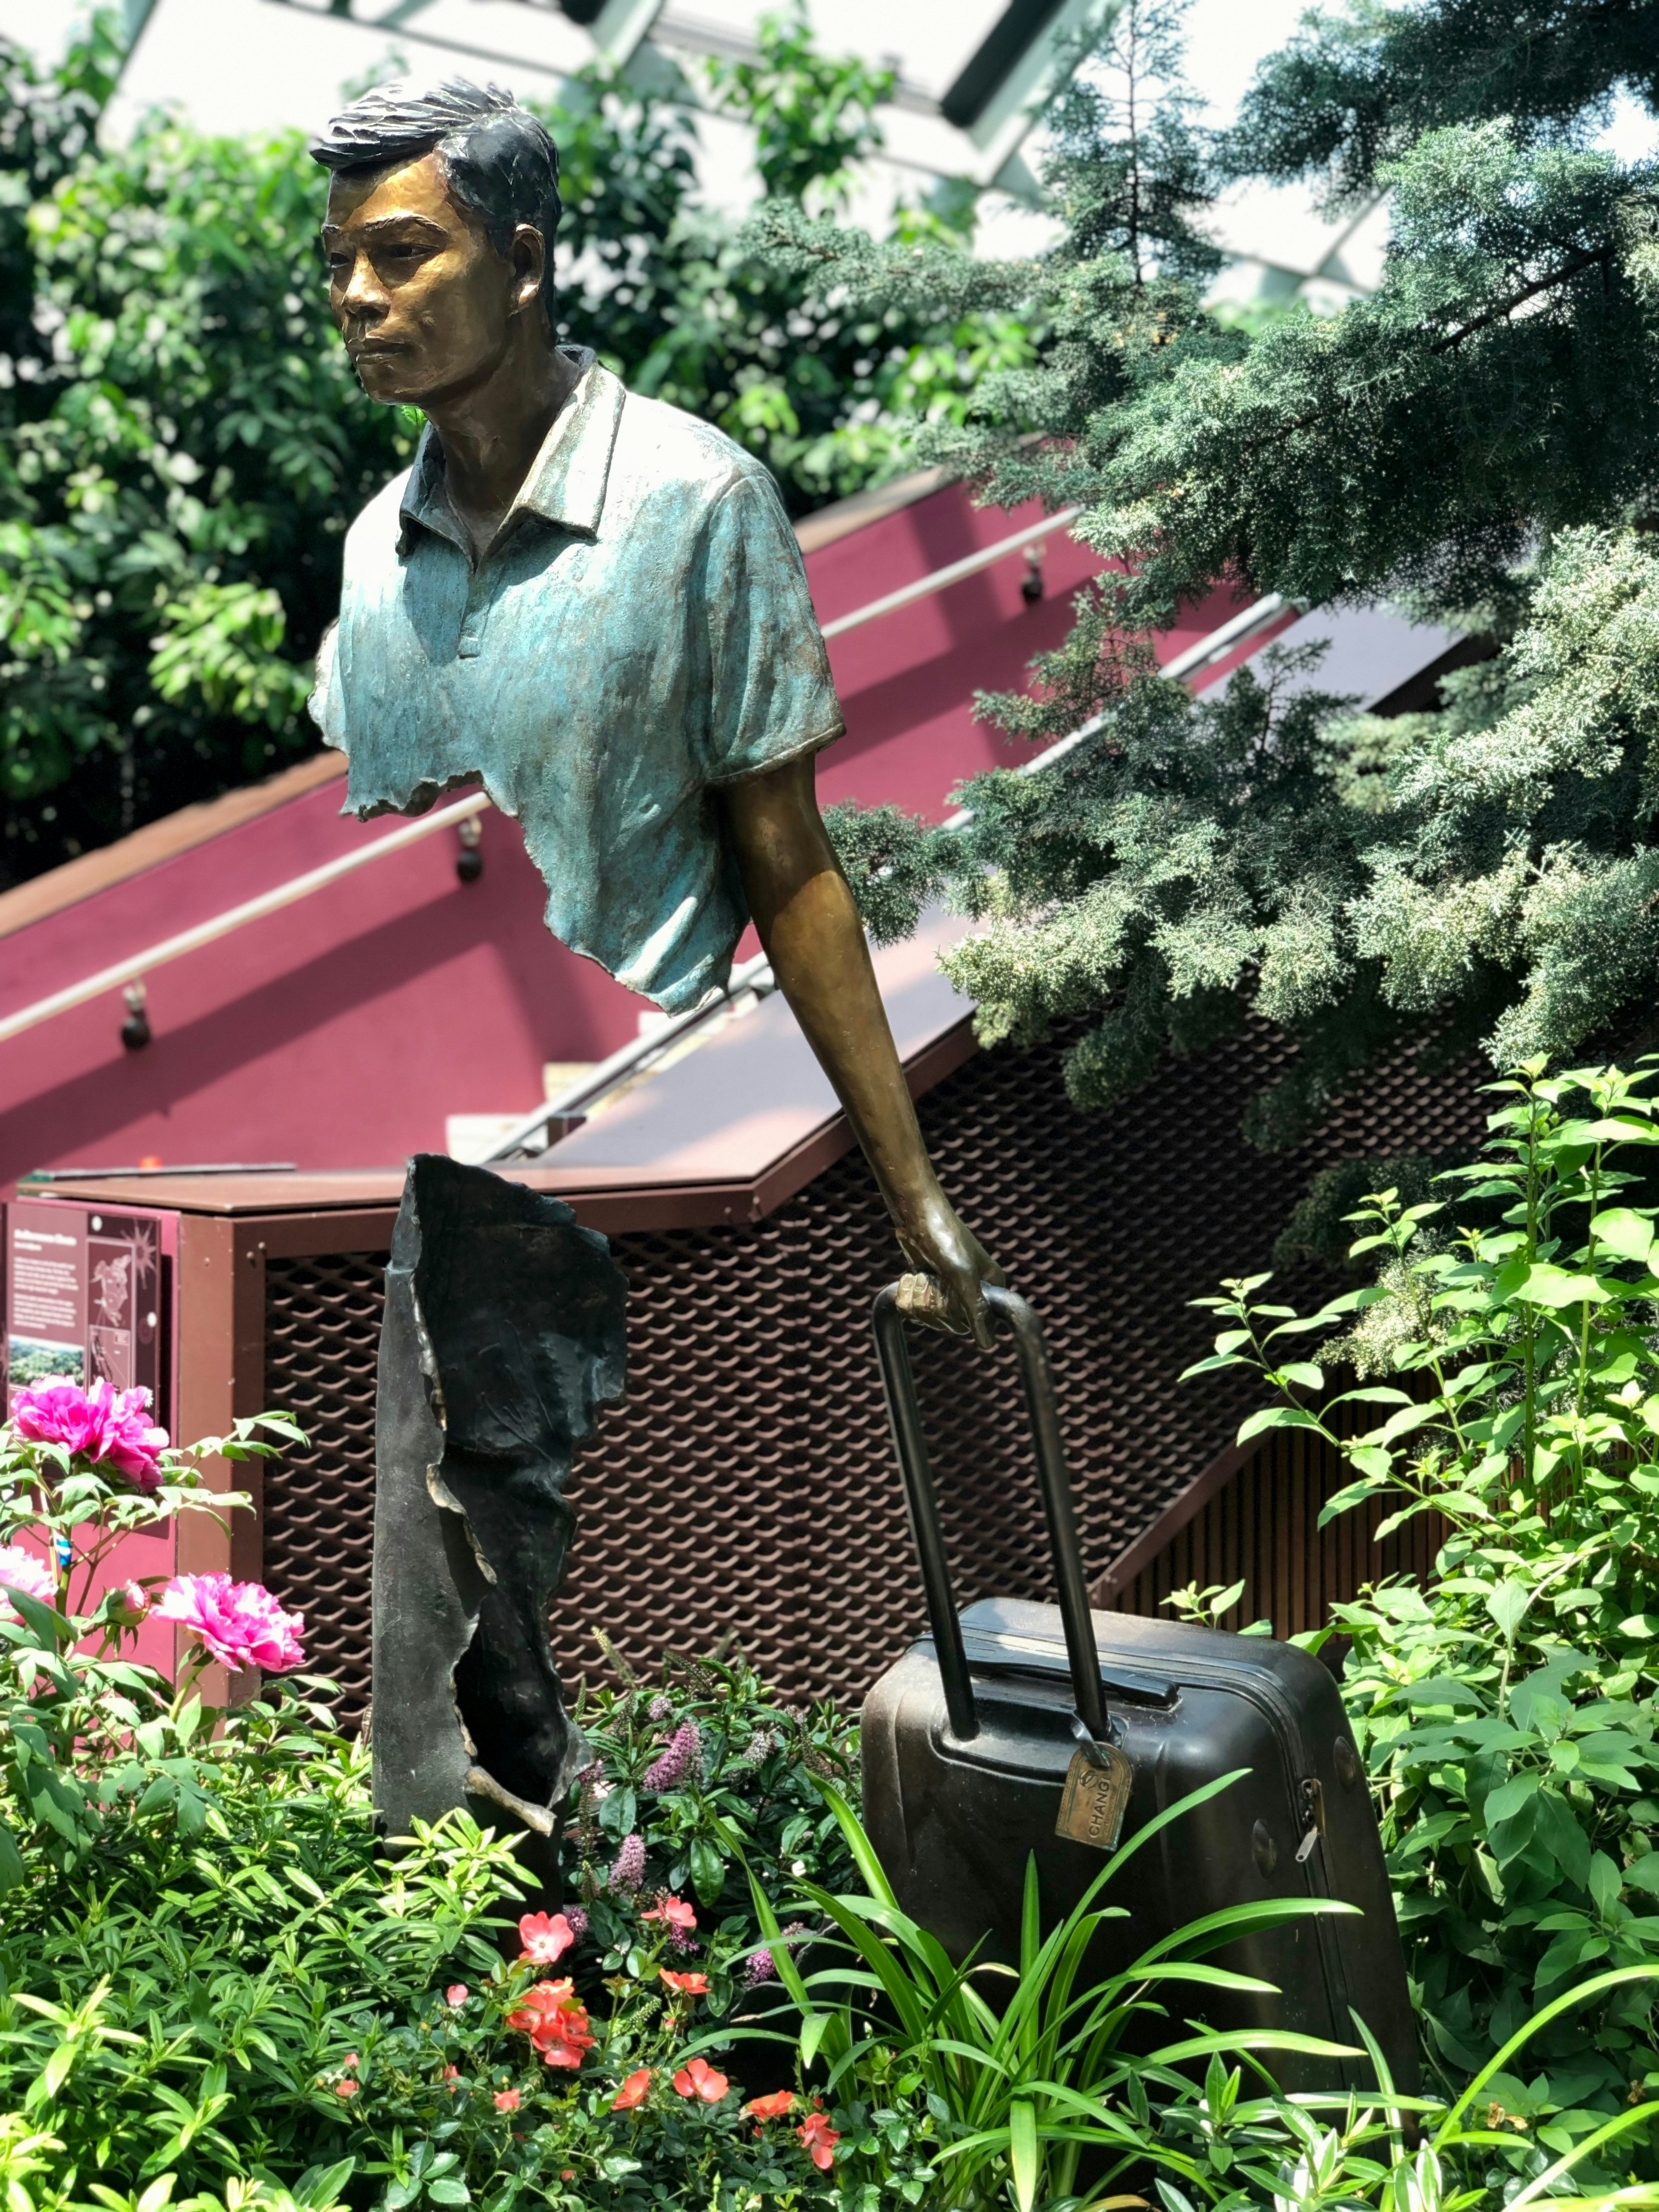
455	1996
25	1572
240	1623
104	1425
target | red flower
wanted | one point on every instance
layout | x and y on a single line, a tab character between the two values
546	1937
686	1985
557	2024
452	2076
673	1913
818	2139
347	2088
697	2078
773	2107
633	2091
507	2101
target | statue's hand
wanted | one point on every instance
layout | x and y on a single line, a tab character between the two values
947	1291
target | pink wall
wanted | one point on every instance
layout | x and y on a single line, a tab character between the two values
341	1031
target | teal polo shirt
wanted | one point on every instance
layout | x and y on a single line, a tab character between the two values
638	635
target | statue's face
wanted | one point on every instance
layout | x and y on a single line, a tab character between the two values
424	302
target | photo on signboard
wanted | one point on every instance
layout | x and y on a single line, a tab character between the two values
31	1359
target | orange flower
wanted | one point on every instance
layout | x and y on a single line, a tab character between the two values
452	2077
697	2078
773	2107
633	2090
507	2101
673	1913
347	2088
685	1985
818	2139
557	2024
546	1937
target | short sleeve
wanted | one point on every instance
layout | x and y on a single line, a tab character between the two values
770	693
325	706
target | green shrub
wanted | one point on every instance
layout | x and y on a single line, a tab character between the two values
1506	1709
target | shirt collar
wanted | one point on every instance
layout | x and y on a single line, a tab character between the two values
566	479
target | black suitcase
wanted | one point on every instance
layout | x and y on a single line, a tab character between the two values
1013	1720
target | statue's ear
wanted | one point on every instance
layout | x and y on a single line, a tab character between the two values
528	254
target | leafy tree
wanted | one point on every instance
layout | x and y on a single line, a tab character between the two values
812	113
182	442
1479	438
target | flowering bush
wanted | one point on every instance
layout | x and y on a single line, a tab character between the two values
84	1730
696	1775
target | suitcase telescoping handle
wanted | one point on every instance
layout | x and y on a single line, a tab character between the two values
911	1444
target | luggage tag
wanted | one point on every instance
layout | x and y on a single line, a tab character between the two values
1097	1793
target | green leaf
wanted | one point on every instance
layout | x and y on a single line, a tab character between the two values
12	1868
1620	1230
1304	1374
1504	1802
1276	1416
1023	2152
708	1871
1552	1287
1507	1605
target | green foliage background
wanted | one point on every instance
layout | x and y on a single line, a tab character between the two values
1478	441
182	442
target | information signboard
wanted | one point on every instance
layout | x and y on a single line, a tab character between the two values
86	1296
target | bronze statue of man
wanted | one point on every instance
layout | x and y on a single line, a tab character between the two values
594	602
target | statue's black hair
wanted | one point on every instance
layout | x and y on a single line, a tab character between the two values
500	161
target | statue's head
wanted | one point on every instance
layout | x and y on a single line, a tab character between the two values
442	207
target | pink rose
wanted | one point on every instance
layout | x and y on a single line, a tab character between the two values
104	1425
546	1938
25	1572
240	1623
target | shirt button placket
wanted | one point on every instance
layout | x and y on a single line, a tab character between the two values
476	614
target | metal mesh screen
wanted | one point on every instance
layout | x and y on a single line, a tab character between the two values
322	1341
747	1483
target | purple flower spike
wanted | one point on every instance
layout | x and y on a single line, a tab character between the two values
629	1872
576	1921
681	1754
760	1965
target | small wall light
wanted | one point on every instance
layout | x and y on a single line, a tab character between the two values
134	1030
